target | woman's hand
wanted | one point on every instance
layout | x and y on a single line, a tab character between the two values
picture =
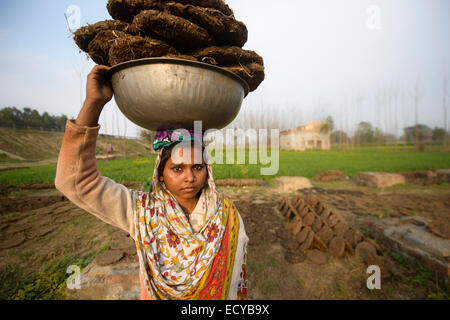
98	93
98	89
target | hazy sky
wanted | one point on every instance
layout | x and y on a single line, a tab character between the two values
322	57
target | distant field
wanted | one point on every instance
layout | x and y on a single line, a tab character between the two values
41	145
407	147
305	164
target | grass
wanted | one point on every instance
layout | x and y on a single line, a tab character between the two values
398	258
400	146
36	175
422	278
49	283
339	290
291	163
351	162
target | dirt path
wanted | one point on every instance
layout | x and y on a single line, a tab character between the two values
12	156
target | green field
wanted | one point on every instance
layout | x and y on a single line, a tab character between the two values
292	163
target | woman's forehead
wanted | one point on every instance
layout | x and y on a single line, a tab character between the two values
186	155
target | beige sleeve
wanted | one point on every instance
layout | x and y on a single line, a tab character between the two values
78	178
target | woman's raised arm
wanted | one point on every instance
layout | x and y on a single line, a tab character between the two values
77	175
98	93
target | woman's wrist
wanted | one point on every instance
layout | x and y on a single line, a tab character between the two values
94	105
89	114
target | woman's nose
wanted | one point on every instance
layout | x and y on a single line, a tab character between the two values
190	176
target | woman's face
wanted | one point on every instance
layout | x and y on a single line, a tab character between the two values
186	179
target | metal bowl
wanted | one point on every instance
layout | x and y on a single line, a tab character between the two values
161	93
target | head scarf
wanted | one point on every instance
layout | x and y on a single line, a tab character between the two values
165	138
176	262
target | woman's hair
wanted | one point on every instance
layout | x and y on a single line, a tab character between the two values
166	153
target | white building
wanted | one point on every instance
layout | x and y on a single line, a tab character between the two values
310	136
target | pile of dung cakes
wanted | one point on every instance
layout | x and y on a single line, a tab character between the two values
199	30
317	232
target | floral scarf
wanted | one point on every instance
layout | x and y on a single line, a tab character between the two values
176	262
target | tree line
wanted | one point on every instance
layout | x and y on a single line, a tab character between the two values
28	118
366	134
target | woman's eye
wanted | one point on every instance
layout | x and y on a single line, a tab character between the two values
199	168
177	169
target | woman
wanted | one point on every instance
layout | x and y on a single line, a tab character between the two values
190	240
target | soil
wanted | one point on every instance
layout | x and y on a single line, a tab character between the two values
183	34
225	30
424	178
34	236
317	257
302	235
239	182
24	205
99	47
294	257
227	56
180	56
134	47
329	175
364	250
337	246
110	257
13	168
322	227
441	229
252	73
85	35
206	27
126	10
281	271
276	269
366	203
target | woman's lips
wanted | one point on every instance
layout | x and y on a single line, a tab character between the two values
189	189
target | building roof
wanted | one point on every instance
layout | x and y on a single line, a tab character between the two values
313	127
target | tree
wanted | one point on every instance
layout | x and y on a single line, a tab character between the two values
7	117
35	119
61	122
438	134
364	133
378	136
328	126
11	117
29	118
339	137
419	132
48	122
390	138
